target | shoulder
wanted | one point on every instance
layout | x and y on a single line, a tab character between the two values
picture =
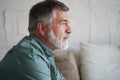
28	44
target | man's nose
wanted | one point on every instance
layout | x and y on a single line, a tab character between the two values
68	30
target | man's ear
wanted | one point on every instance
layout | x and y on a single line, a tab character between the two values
41	28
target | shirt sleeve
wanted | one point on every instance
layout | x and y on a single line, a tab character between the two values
32	66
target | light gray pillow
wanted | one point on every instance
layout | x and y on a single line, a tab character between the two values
99	62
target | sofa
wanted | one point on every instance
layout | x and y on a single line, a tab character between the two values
92	62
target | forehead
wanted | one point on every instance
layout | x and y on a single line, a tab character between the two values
62	15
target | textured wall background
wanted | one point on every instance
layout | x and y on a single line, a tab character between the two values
96	21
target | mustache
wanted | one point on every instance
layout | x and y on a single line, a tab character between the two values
67	35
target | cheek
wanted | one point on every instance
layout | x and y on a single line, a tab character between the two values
59	33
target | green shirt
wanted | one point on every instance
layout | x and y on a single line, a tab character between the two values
30	59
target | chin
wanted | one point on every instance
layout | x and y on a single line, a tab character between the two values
63	46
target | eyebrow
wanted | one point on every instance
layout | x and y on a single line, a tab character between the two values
64	21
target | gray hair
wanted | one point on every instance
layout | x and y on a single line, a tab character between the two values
44	12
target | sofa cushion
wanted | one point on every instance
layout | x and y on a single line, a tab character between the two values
99	62
67	65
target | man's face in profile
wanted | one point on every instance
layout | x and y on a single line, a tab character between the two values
59	30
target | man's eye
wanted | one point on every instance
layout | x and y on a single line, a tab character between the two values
63	23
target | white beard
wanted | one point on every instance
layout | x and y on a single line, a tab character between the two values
57	42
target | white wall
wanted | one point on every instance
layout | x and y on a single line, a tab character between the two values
96	21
